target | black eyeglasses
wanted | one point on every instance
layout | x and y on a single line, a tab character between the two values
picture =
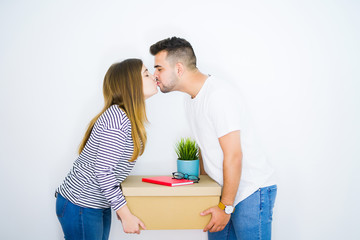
179	175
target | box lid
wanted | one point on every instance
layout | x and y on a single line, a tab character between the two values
133	186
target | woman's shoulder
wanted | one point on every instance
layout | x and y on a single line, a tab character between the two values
115	118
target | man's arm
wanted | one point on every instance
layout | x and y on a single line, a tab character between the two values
202	170
230	144
231	147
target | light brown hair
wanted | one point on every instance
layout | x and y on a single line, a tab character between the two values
123	86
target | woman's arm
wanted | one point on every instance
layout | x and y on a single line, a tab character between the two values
111	148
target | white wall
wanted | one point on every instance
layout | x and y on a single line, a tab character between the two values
296	62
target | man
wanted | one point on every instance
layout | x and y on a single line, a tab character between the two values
229	154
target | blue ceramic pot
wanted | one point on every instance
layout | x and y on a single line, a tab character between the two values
190	167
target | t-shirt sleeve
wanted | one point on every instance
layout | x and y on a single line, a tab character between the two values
111	148
226	114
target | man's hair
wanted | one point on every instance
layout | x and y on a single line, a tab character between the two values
177	49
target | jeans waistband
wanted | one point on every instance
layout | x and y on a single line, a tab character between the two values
268	188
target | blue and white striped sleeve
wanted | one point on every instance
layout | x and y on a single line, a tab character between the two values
111	148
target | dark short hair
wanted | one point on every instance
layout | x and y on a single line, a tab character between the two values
176	48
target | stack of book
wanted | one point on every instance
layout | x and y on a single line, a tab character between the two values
167	181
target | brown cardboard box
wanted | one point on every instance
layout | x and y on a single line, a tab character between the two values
163	207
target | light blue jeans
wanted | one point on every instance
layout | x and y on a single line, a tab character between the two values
251	219
79	223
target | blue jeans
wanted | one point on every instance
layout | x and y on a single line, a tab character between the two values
79	223
251	219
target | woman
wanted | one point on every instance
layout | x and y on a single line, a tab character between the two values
115	138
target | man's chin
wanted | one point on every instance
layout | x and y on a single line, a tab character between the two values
163	90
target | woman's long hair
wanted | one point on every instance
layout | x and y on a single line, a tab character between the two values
123	86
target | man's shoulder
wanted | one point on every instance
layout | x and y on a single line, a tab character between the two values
219	85
222	90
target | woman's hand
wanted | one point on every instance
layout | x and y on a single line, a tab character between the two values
130	223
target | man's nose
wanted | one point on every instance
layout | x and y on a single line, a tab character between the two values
156	75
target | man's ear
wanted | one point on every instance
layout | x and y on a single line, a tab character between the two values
179	69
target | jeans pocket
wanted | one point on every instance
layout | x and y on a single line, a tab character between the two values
61	204
272	196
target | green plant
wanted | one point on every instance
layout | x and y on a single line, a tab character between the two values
187	149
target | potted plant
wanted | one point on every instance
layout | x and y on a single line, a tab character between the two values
188	156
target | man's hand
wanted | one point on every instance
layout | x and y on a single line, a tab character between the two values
219	219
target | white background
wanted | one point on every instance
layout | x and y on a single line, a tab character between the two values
296	63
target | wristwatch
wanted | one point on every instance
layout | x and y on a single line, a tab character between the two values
226	208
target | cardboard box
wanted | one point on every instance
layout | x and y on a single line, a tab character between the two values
162	207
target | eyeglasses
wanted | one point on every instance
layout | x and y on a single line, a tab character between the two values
179	175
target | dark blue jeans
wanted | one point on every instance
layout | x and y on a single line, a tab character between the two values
251	219
79	223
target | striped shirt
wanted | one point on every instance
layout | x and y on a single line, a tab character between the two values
95	178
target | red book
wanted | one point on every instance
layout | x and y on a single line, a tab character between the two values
167	181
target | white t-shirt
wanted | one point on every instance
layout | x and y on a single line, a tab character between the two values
216	111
